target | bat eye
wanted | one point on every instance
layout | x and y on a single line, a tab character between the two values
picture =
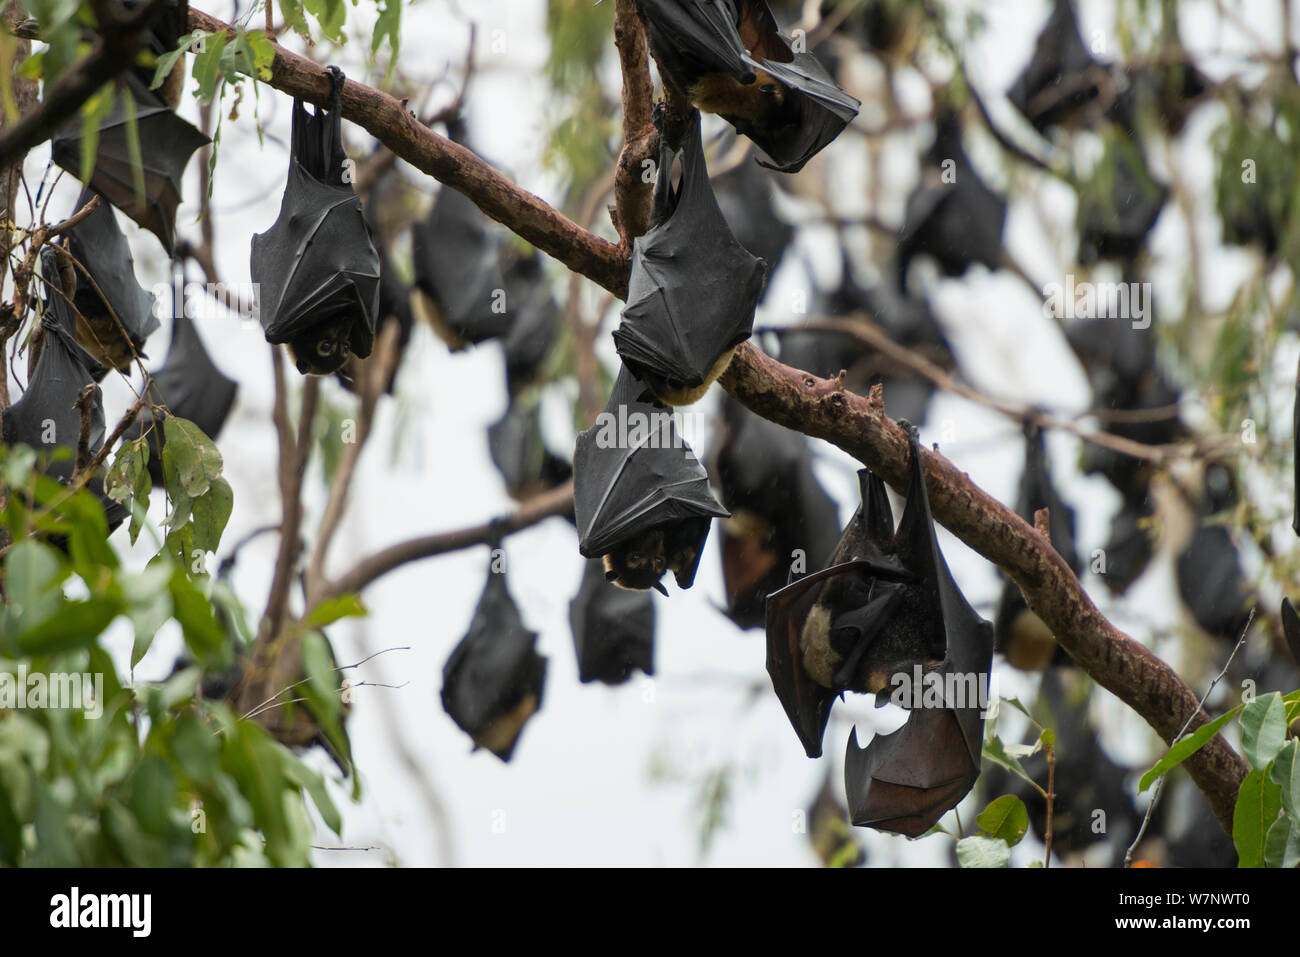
325	347
636	559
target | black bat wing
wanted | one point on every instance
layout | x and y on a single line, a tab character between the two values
1050	84
625	484
694	38
98	243
613	629
823	112
693	287
318	257
166	144
807	704
1291	629
520	454
493	672
457	263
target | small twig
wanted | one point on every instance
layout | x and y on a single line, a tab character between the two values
1160	784
1049	752
85	406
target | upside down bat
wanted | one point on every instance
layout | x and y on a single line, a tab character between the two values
115	314
1062	81
316	268
731	58
693	288
780	514
165	143
641	499
886	607
613	629
492	683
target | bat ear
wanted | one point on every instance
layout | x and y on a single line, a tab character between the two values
877	516
659	587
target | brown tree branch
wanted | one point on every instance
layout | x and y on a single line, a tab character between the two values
633	198
823	409
385	118
556	501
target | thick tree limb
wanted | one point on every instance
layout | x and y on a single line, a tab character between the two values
633	197
385	118
823	409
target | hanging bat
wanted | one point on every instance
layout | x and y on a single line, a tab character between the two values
641	499
316	269
163	36
907	780
492	683
693	288
166	144
1062	80
1210	579
534	321
832	631
115	315
515	443
1116	226
459	287
731	58
951	215
188	385
1019	633
613	629
888	27
780	515
46	417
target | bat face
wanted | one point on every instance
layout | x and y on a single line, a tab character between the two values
641	499
323	349
638	562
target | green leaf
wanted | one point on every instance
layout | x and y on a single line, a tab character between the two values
191	463
203	636
33	573
207	66
1282	844
293	17
196	749
168	60
1259	801
75	625
1184	748
211	513
1263	729
311	782
996	752
1286	775
333	609
330	14
93	112
979	851
128	481
1006	818
263	54
388	27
